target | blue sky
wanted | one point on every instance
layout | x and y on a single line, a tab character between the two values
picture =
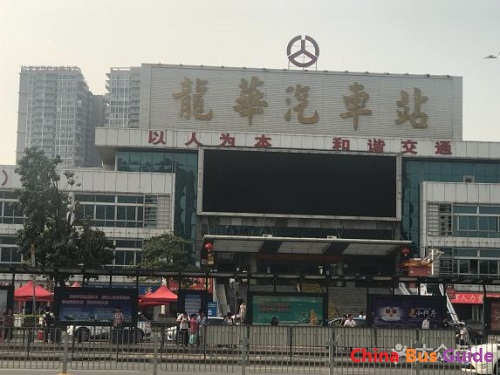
437	37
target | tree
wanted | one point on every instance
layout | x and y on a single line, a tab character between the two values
166	253
53	228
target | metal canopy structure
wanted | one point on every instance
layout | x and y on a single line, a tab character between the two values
271	277
292	245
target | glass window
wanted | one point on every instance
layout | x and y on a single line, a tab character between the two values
121	213
130	199
463	266
490	253
7	209
105	198
127	244
124	258
489	210
8	240
483	267
493	266
85	197
119	257
472	222
465	252
16	256
5	255
158	162
100	212
110	212
131	213
465	209
88	210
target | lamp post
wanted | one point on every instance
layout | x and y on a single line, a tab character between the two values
33	264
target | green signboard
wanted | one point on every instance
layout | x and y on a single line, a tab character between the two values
288	308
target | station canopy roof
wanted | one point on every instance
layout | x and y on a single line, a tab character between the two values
313	246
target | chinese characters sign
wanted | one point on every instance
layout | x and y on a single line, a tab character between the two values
293	102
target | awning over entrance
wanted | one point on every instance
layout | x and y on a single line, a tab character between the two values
292	245
471	298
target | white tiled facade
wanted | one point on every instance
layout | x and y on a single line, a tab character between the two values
128	207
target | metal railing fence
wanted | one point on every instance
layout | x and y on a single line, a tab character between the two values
245	349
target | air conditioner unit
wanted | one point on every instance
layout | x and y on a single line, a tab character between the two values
267	235
331	237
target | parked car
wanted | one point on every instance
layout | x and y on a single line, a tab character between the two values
171	332
336	322
482	366
102	332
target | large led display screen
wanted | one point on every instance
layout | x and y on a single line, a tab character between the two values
299	183
95	305
288	308
397	311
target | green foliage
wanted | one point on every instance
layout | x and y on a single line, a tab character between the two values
166	253
53	228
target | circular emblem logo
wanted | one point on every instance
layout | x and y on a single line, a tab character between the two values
303	57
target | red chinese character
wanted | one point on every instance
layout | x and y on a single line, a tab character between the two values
156	136
227	140
409	147
263	141
340	144
443	148
376	145
193	140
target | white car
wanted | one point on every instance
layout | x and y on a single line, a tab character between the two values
98	332
485	359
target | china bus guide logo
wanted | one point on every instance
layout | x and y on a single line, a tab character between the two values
423	355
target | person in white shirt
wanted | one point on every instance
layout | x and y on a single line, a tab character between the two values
426	324
183	321
350	322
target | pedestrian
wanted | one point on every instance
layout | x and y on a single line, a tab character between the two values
463	335
193	330
228	319
274	321
243	311
183	321
118	320
426	324
350	323
8	324
202	324
344	319
48	323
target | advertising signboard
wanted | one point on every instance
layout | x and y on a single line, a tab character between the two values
191	301
94	305
396	311
288	308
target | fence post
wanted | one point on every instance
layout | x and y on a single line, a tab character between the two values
331	353
244	354
155	355
65	337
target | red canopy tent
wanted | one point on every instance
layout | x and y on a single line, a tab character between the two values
25	293
160	296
